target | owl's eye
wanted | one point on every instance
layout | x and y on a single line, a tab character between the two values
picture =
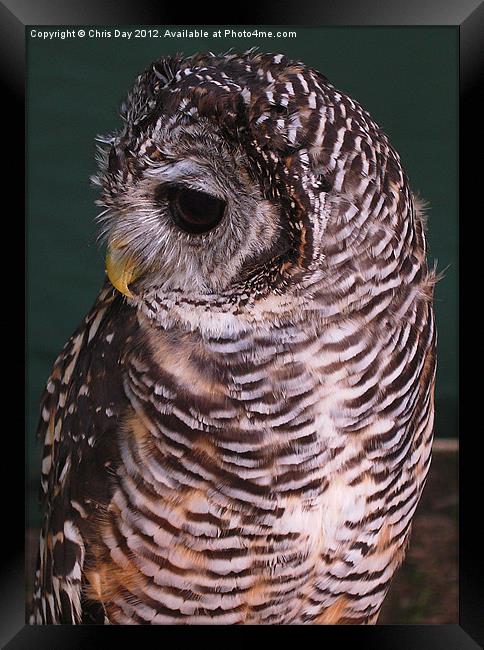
193	211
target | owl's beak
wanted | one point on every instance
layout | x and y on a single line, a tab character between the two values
121	269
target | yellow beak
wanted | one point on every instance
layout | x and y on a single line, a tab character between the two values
121	269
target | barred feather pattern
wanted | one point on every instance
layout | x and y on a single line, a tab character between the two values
252	456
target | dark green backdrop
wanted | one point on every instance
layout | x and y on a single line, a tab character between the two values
405	77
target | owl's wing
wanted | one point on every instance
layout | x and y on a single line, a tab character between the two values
81	407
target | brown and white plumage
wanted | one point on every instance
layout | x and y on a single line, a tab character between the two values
245	435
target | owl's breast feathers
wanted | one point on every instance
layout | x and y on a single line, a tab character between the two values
264	477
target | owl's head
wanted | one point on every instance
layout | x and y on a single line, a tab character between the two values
219	186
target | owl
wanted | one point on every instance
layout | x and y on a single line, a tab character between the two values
240	430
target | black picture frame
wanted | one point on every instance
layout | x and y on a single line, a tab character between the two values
468	19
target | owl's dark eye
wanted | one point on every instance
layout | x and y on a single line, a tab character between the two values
193	211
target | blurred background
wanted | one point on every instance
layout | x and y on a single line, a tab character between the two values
405	77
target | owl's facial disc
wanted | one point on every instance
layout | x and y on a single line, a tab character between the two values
193	222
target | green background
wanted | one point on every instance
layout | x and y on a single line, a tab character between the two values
407	79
